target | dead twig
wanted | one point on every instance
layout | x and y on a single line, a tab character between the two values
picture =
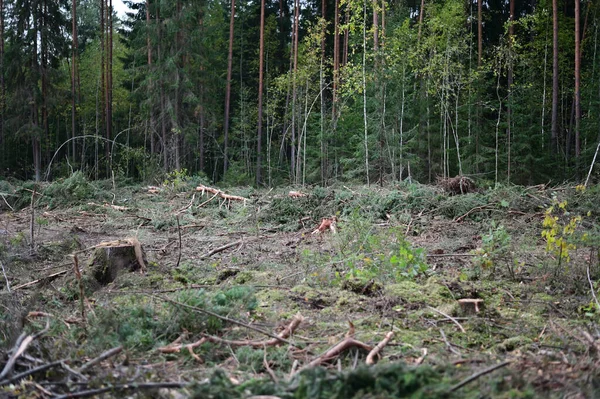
588	277
422	358
188	206
32	222
479	374
448	344
175	347
179	235
448	317
218	316
27	373
221	249
289	330
122	387
20	348
29	284
8	282
336	350
80	282
378	348
477	208
103	356
268	368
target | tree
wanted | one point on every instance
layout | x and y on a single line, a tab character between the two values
555	76
260	94
228	88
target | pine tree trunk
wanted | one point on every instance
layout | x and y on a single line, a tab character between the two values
73	76
260	94
577	79
150	85
364	87
228	89
511	32
2	90
321	91
295	91
421	13
479	33
555	77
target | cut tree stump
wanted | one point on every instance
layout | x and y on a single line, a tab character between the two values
470	306
110	258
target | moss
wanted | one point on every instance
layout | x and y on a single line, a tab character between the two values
512	343
432	293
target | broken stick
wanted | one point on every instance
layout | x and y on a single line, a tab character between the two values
375	352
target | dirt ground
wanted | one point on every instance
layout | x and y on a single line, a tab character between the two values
256	262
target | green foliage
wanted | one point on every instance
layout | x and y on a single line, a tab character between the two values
496	249
363	253
394	380
140	324
74	189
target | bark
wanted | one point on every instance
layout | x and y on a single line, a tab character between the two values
511	32
577	79
421	13
73	75
149	51
228	88
479	33
554	129
295	89
375	26
336	58
260	93
2	90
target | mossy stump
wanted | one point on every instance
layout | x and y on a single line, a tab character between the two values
108	261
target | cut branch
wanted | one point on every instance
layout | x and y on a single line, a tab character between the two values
336	350
479	374
378	348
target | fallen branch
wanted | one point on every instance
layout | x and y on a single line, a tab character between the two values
5	277
227	197
122	387
479	374
378	348
448	317
188	206
289	330
174	347
221	249
34	282
477	208
27	373
588	277
218	316
448	344
103	356
20	348
336	350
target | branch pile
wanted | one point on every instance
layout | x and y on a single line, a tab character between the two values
457	185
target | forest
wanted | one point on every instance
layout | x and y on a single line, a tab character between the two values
299	199
300	93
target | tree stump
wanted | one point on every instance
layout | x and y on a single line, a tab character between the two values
110	258
470	306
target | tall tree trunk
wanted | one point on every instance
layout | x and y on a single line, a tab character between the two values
228	89
421	13
346	38
555	77
364	87
162	113
511	32
260	94
479	33
2	91
336	59
44	68
73	75
150	85
375	26
321	92
295	90
109	76
577	80
103	82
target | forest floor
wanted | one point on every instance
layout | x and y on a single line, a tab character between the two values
235	278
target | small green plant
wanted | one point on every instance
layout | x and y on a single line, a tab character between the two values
366	254
559	231
495	249
177	179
